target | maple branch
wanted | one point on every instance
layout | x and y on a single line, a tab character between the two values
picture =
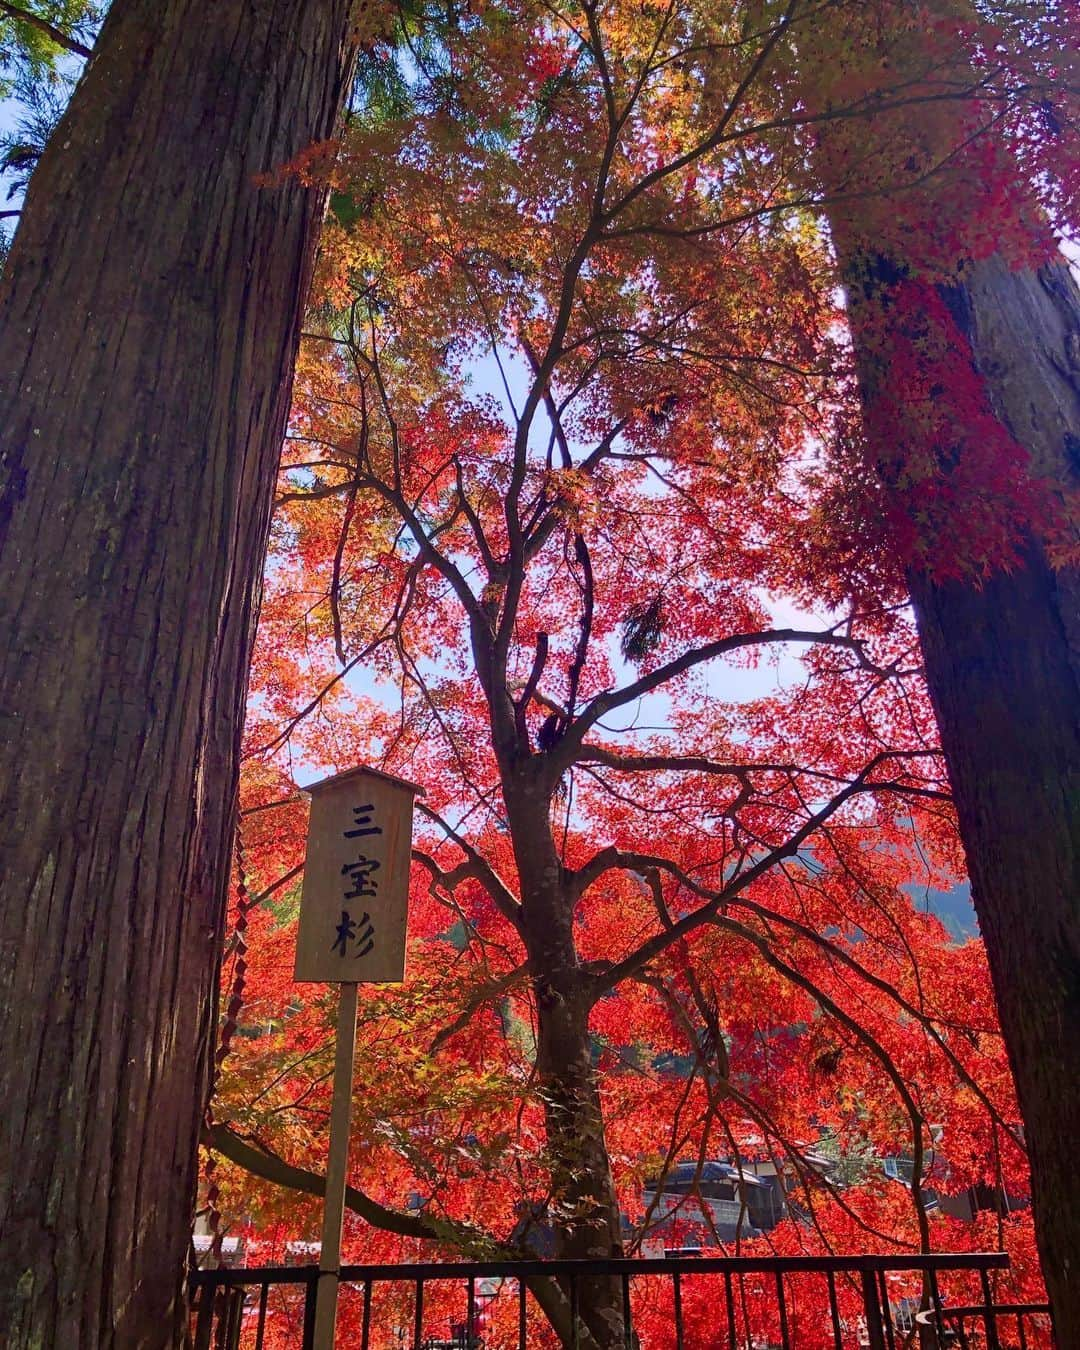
489	659
925	1020
260	1161
761	1117
57	35
872	1044
581	553
489	990
439	876
281	881
294	800
546	516
606	980
543	373
623	763
718	135
596	46
612	759
346	525
401	608
706	1011
522	704
395	496
335	573
410	671
447	882
604	703
829	1005
503	897
867	106
475	524
675	1143
815	200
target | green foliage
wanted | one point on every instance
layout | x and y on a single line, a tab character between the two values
39	105
37	75
642	629
27	50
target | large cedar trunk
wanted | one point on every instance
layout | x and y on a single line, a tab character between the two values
148	323
1003	668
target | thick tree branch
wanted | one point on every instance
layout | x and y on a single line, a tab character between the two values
481	869
489	990
57	35
605	981
261	1162
613	759
522	704
263	896
588	595
711	651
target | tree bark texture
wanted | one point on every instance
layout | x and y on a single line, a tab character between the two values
1003	669
149	316
584	1207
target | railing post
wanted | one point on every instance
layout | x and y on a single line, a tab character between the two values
204	1322
365	1326
418	1316
237	1299
311	1294
834	1312
990	1317
218	1299
875	1327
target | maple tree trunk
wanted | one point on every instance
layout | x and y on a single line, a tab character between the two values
149	316
1003	669
584	1208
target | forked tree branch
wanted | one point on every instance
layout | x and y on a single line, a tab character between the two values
503	897
769	1127
925	1020
711	651
259	1161
489	990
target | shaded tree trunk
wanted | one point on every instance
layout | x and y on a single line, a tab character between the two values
584	1208
149	316
1003	669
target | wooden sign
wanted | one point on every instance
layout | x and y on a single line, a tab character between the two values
354	906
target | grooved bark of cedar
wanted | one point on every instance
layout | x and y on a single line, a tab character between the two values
148	324
1003	670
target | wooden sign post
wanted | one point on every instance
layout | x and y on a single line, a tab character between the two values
353	917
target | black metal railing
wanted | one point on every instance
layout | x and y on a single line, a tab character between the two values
737	1303
981	1324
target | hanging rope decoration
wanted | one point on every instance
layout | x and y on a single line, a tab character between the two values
245	901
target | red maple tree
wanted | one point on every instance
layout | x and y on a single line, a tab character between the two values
545	501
